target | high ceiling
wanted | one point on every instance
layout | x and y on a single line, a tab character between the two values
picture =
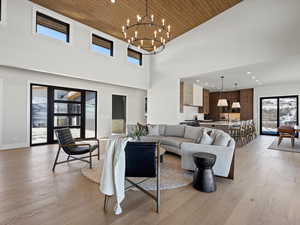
183	15
276	72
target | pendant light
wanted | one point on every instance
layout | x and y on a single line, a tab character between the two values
222	102
235	105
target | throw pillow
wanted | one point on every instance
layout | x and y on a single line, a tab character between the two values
198	140
206	139
222	140
143	128
192	132
153	130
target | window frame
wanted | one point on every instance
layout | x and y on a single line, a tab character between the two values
54	18
261	99
104	39
51	114
139	53
3	12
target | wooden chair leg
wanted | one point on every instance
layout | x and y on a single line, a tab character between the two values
98	150
56	159
106	198
68	157
279	140
293	142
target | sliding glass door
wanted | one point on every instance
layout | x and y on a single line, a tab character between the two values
56	107
277	111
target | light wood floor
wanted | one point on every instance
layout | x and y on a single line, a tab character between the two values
266	190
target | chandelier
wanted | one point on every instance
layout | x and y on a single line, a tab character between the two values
222	102
146	34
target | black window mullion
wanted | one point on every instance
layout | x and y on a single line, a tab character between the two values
50	126
82	124
50	112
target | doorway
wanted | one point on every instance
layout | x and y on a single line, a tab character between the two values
118	114
59	107
276	112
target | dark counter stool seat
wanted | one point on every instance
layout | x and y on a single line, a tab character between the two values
204	179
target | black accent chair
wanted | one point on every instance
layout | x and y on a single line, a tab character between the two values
142	160
72	149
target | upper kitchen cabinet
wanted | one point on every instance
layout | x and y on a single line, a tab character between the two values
205	101
192	95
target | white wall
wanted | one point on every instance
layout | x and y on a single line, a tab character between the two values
243	35
21	47
273	90
15	98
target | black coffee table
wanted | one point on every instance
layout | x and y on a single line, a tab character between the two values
204	179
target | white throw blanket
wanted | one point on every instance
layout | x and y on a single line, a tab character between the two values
112	180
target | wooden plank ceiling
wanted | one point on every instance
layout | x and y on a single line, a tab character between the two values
183	15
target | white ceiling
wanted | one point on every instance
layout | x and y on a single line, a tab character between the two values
280	71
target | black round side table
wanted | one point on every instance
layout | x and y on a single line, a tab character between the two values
204	179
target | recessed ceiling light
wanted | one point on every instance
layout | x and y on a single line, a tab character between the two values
206	83
248	73
257	80
253	77
197	81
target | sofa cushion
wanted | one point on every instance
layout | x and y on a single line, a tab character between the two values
206	139
222	139
162	129
172	149
175	141
192	132
174	130
153	130
152	138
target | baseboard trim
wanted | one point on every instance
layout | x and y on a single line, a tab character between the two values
13	146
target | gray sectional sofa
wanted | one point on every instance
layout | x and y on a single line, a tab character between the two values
186	140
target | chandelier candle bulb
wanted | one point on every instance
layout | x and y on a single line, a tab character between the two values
152	18
142	42
128	22
163	22
154	48
152	42
135	34
155	33
125	35
169	28
123	29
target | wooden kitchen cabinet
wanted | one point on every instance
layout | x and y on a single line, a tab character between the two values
205	101
246	101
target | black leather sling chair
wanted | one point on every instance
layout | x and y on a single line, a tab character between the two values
72	149
143	161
